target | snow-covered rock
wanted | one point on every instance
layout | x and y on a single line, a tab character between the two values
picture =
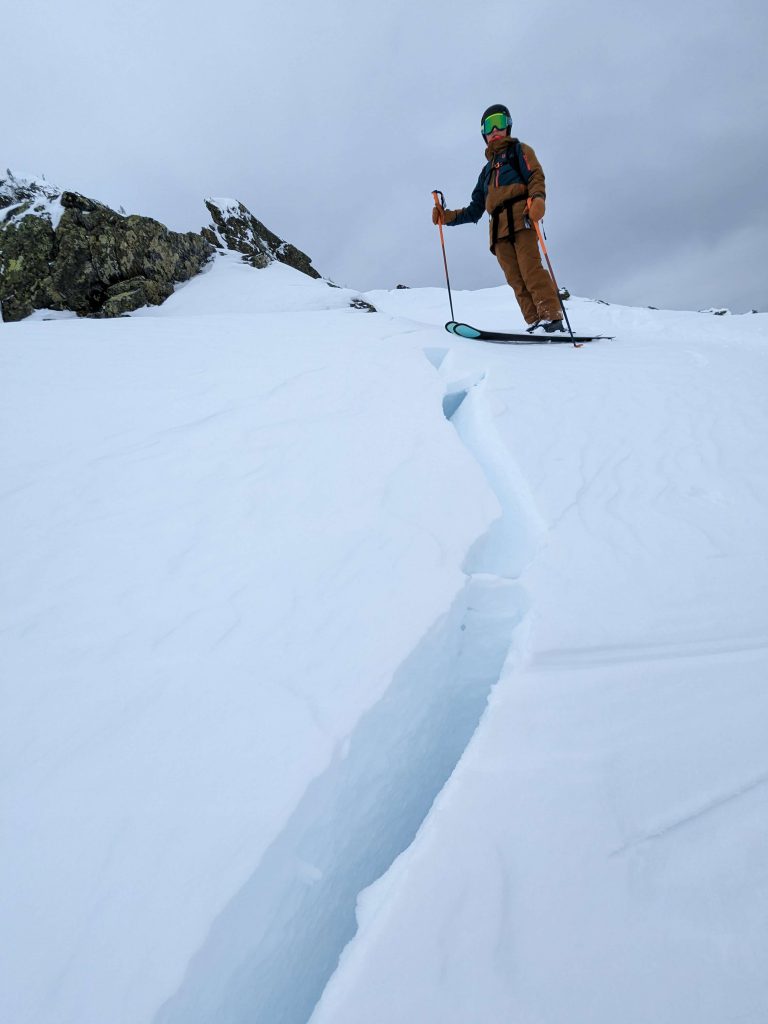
63	251
60	251
234	227
23	194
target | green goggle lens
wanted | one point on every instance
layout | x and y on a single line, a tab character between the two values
500	121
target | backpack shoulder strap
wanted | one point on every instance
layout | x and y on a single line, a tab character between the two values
515	152
487	172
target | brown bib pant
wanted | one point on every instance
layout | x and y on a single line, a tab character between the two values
534	288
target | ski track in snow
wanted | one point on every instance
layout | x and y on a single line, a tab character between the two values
581	657
712	805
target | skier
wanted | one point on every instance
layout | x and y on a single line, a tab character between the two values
511	177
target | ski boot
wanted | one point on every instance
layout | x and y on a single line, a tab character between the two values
548	326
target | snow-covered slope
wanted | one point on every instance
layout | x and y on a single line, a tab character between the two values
601	853
258	589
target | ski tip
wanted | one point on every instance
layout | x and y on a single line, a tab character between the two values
462	330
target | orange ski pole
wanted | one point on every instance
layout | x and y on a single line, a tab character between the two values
440	204
543	245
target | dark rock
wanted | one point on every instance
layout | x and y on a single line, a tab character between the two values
74	201
293	257
62	250
126	296
27	247
564	294
102	255
124	302
402	287
358	303
234	227
65	251
212	238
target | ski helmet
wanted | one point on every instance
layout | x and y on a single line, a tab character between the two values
496	108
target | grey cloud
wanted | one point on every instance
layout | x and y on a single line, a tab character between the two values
334	122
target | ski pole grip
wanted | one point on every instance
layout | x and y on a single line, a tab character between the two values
440	204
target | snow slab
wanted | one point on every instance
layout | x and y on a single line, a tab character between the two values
223	533
601	851
267	557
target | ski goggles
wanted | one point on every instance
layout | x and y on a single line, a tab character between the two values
500	121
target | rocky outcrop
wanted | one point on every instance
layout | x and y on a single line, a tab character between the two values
234	227
63	251
28	212
107	264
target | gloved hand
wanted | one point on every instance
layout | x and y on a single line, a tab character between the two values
442	216
536	209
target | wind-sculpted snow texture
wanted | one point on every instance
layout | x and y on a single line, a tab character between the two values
601	852
326	635
229	533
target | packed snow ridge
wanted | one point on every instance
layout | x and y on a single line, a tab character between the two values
355	671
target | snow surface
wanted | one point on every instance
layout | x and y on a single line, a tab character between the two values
312	613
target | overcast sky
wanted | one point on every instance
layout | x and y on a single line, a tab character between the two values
333	122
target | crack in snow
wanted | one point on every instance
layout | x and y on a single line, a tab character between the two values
270	954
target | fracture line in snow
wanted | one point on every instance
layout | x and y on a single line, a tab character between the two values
513	540
270	954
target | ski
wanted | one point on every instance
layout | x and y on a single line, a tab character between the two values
511	338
